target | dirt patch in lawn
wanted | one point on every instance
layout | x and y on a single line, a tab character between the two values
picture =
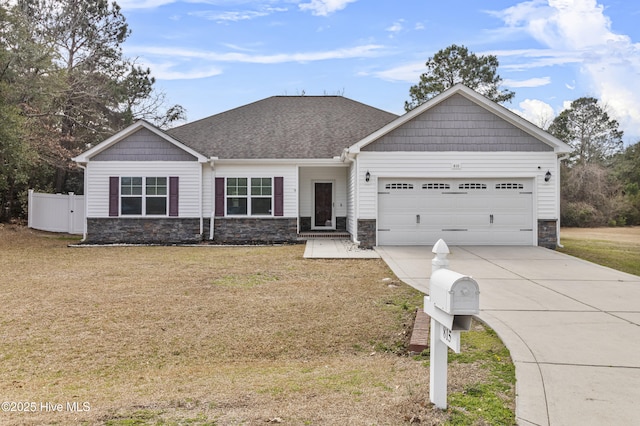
205	335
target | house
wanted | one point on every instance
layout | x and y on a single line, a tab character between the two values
459	167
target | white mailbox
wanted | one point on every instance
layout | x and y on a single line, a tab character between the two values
453	300
454	293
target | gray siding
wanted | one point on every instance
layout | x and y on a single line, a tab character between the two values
144	145
458	124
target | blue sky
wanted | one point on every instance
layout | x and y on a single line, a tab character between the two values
213	55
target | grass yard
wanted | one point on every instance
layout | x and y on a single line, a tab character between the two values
222	336
617	248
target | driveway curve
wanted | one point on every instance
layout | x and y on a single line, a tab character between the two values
572	327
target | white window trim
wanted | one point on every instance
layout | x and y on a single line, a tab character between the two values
248	197
144	197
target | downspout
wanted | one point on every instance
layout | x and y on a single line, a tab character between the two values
213	198
200	182
558	191
86	202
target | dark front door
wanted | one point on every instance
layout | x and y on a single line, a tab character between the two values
323	202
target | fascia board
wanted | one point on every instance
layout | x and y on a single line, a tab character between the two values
284	161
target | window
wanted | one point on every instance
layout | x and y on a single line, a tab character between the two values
436	186
256	200
472	186
509	186
143	196
260	196
399	186
131	195
156	200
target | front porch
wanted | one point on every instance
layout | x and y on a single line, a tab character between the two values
322	200
336	248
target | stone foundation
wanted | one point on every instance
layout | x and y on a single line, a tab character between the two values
367	233
255	231
143	231
547	233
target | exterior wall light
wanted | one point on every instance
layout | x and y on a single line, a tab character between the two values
367	176
547	176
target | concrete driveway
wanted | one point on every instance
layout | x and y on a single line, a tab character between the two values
573	328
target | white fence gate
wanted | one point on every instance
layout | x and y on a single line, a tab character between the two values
56	212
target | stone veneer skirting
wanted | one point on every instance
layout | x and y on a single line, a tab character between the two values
548	233
254	231
143	230
367	233
236	231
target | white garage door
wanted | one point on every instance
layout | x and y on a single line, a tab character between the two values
460	211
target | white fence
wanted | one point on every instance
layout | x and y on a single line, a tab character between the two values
56	212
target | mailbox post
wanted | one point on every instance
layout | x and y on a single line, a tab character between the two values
453	300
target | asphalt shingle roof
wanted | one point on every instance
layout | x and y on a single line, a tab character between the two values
284	127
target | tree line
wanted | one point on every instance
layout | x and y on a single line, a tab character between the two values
600	179
65	85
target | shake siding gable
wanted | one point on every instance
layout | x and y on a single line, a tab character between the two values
458	124
143	145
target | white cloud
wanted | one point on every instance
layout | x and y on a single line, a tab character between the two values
581	30
525	59
143	4
168	71
539	113
324	7
531	82
396	27
369	50
408	73
236	16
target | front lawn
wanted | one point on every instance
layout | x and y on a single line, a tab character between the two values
211	335
617	248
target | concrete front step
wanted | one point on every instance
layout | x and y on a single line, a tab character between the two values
303	236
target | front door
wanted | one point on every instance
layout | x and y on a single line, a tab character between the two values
323	205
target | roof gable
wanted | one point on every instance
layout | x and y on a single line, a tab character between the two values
457	124
143	145
140	141
284	127
460	119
